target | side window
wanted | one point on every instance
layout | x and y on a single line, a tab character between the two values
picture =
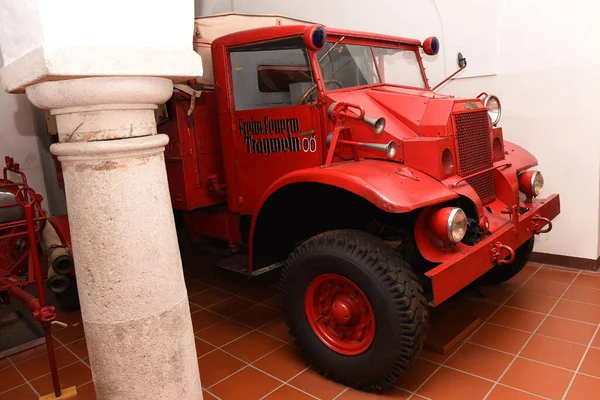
272	74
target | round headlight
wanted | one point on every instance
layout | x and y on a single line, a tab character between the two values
537	183
449	224
494	109
457	225
531	183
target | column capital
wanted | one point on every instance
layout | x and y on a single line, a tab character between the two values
53	40
102	108
99	91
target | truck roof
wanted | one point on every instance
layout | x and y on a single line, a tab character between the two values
207	29
235	26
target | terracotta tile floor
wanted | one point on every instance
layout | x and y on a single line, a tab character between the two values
538	339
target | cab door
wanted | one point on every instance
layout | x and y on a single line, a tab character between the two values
275	128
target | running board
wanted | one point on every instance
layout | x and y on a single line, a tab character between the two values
239	263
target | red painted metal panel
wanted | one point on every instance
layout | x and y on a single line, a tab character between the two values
193	154
425	154
390	186
269	143
436	118
206	128
217	223
520	158
498	136
462	269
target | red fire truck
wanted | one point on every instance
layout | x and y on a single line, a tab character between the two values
328	152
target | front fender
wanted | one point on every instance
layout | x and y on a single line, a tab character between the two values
520	158
507	184
390	186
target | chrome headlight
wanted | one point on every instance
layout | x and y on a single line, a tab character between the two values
531	183
449	224
494	108
457	225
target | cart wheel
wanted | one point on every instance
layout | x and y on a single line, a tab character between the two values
69	299
503	272
355	308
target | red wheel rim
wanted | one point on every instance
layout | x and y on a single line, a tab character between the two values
340	314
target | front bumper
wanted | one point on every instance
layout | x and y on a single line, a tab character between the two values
459	271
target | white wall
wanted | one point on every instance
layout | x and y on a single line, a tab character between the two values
540	58
22	137
18	139
548	73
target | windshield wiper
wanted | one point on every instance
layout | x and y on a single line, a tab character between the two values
331	48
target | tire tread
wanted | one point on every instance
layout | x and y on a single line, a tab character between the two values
400	283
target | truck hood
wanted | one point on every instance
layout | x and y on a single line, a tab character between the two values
409	113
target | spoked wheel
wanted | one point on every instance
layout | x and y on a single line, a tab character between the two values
355	308
340	314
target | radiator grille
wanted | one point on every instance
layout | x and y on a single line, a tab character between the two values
473	137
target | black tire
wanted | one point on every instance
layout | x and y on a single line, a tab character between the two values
69	299
503	272
394	294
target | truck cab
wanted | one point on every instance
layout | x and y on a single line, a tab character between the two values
328	152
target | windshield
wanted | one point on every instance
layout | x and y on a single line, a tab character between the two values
349	65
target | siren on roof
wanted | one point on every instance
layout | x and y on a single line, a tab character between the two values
315	37
431	46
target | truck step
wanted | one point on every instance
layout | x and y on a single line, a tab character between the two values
235	262
239	263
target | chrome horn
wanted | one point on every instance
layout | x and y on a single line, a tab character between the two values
389	149
377	124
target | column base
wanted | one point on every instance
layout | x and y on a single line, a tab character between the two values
153	359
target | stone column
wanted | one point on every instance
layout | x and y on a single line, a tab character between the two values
131	287
101	68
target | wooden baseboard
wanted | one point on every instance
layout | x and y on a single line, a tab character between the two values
566	261
68	393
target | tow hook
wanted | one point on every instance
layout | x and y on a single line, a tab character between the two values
538	223
497	251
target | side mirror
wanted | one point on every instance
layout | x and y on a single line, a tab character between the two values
431	46
461	61
315	37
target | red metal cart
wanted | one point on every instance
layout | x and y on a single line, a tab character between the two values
22	221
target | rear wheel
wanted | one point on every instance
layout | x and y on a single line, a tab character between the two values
355	308
503	272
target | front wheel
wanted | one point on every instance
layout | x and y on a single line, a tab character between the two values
355	308
503	272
